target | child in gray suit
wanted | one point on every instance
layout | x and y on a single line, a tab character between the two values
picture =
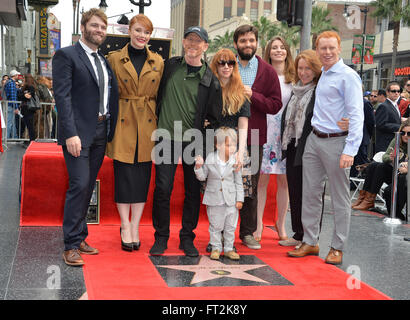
224	194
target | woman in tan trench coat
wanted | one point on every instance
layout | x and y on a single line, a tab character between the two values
138	71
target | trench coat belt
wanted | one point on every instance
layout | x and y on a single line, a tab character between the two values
139	98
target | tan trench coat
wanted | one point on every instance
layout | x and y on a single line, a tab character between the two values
136	113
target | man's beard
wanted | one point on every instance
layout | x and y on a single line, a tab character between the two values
246	56
89	37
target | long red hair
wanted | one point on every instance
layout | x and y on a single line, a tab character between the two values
233	92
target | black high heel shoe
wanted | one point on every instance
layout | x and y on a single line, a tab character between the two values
136	245
126	246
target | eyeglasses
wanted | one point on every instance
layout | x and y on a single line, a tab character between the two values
230	63
394	91
373	96
404	133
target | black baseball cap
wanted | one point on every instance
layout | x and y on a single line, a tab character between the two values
201	32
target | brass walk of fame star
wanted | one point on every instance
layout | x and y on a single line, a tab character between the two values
208	269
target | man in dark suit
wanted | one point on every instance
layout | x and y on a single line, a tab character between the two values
86	96
388	118
368	128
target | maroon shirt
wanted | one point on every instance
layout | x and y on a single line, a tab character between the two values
266	98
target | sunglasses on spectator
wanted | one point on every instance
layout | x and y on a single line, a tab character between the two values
230	63
404	133
373	96
394	91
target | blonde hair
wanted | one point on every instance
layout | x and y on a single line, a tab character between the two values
233	95
290	72
86	16
225	132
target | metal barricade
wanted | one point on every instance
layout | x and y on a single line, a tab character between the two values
43	122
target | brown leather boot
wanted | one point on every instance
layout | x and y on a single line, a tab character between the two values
361	197
367	203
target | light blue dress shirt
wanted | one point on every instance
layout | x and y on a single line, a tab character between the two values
339	95
248	73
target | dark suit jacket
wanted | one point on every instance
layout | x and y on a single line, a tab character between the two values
307	128
388	122
77	95
369	122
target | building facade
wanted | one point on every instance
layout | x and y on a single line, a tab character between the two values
219	16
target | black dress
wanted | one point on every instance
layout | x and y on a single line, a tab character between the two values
132	180
28	116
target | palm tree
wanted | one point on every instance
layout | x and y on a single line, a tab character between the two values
395	12
224	41
290	34
320	23
266	30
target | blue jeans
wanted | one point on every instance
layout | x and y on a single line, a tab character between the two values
11	124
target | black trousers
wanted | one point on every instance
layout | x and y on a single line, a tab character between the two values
377	173
294	175
401	196
82	173
249	210
28	122
164	183
360	158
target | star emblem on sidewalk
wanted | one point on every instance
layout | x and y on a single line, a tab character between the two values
208	269
180	271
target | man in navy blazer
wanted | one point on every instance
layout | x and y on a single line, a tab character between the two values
388	118
86	95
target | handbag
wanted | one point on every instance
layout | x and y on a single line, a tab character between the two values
33	104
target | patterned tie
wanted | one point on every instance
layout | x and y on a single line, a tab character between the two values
100	80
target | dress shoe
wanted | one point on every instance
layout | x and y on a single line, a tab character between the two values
277	231
258	237
232	255
136	245
304	250
215	254
334	257
362	194
367	202
86	249
189	248
159	247
250	242
209	248
126	246
289	242
73	258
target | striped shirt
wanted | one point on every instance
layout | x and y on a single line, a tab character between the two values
248	73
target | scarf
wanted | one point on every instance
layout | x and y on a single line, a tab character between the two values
296	112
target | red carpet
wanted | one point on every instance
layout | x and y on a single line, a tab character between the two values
116	274
45	181
132	275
